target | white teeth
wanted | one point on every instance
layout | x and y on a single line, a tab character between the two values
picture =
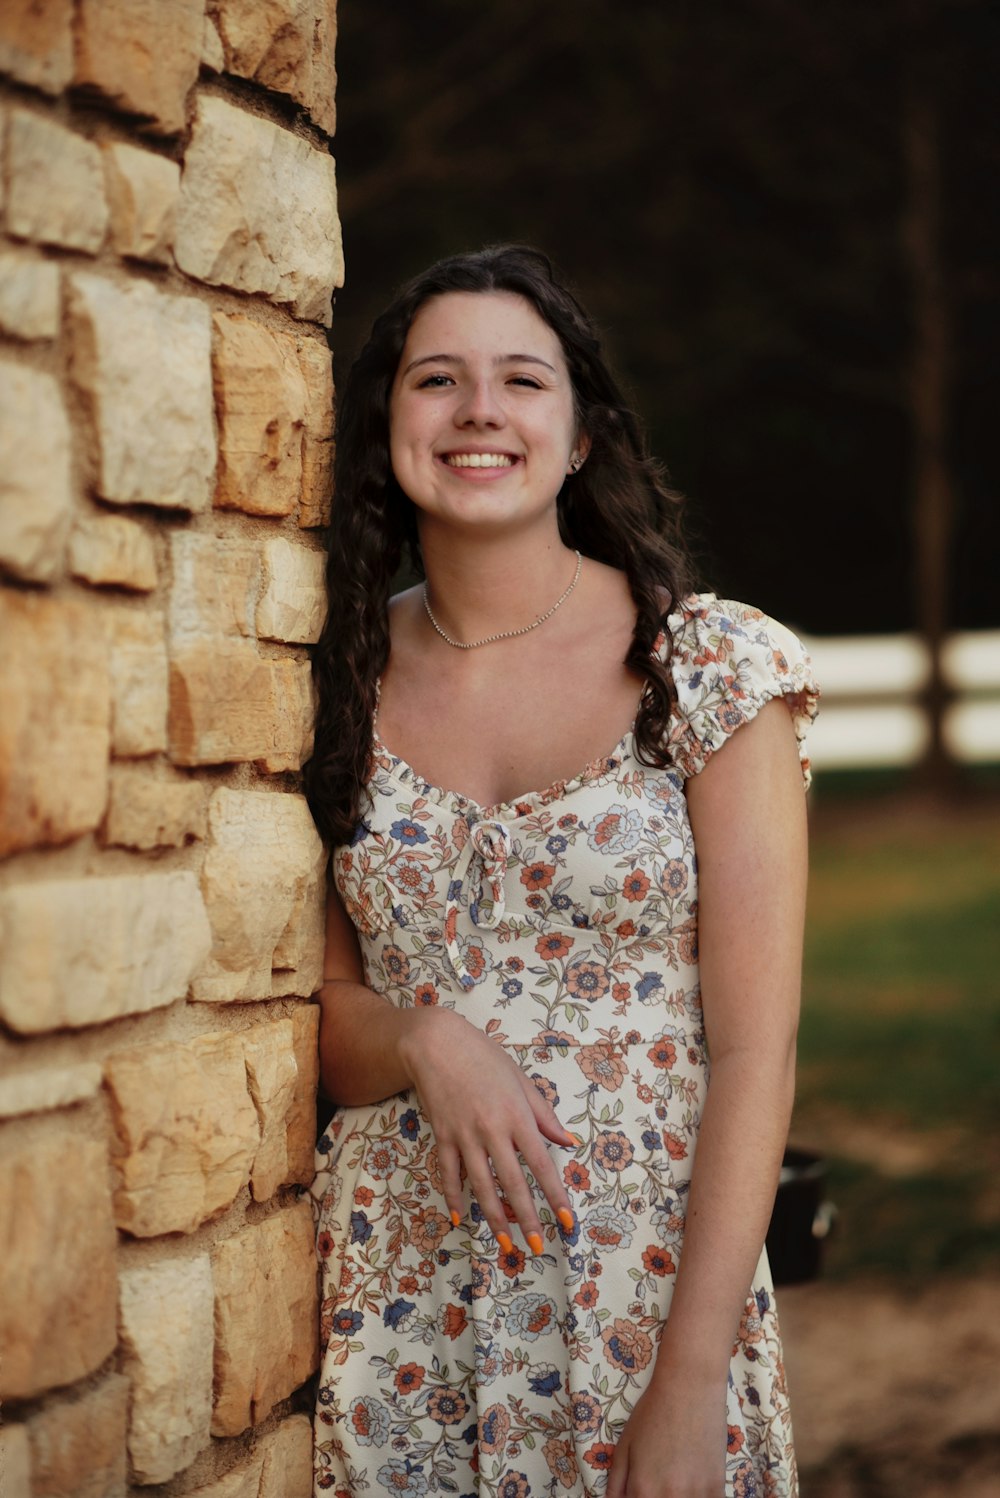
479	460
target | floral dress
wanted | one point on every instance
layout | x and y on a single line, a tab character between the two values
563	924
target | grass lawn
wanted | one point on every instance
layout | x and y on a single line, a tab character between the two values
899	1076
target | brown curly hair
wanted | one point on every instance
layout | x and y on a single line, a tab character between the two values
619	509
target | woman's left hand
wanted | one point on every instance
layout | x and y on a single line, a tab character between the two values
673	1445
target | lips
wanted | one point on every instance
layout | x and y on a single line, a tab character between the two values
479	460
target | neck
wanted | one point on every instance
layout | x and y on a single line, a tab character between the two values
480	585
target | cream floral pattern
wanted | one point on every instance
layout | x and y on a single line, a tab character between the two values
563	924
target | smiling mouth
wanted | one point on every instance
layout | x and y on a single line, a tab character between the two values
479	460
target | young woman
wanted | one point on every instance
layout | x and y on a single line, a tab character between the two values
556	908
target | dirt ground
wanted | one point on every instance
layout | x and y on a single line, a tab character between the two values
895	1395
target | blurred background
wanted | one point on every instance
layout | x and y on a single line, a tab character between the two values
786	221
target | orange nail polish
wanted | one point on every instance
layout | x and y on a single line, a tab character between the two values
506	1244
535	1242
567	1219
575	1138
455	1219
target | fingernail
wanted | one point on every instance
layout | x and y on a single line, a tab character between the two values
506	1244
535	1242
455	1219
565	1216
575	1138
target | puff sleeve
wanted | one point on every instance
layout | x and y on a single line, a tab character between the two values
729	659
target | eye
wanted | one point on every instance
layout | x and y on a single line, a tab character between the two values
435	382
528	380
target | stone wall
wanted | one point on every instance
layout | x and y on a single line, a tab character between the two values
169	246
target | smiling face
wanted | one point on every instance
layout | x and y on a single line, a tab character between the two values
481	416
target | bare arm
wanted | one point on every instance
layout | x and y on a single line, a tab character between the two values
747	813
486	1114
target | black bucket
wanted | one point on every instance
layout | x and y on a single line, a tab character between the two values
801	1219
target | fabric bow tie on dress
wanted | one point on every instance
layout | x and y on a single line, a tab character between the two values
482	881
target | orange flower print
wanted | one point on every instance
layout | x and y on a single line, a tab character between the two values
735	1439
601	1065
613	1150
662	1053
636	885
364	1196
626	930
576	1176
482	1278
599	1456
687	944
658	1261
427	1229
751	1323
409	1378
396	964
494	1426
553	946
425	993
452	1321
674	879
513	1485
587	980
447	1406
408	1284
626	1346
538	875
621	993
644	1093
561	1461
676	1147
511	1264
587	1296
744	1481
585	1412
324	1245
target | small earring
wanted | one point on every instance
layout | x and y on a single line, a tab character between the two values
576	464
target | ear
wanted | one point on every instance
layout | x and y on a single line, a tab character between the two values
578	457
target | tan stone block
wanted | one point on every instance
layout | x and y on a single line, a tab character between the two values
142	197
292	606
212	55
77	952
154	807
36	43
15	1472
258	211
55	726
285	45
242	1481
260	398
266	1317
49	1088
143	358
229	706
263	883
300	1142
287	1453
55	185
29	298
57	1246
143	55
317	444
214	587
78	1445
35	494
111	551
272	1074
139	681
186	1132
167	1338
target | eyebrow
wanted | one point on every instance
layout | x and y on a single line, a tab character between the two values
500	359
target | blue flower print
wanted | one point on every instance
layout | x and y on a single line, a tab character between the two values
395	1315
346	1323
606	1228
402	1480
408	832
360	832
651	1139
361	1228
409	1124
545	1381
512	987
488	1363
648	985
531	1316
557	843
615	831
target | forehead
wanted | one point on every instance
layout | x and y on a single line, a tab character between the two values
489	322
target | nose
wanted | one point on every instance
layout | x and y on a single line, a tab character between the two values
480	406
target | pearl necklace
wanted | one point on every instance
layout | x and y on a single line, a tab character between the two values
505	634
